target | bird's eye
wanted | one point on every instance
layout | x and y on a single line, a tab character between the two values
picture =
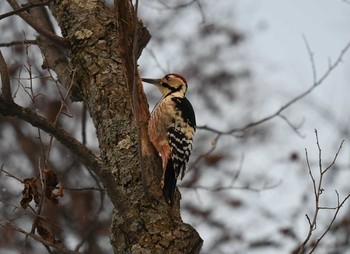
167	77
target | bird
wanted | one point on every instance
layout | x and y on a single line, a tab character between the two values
171	130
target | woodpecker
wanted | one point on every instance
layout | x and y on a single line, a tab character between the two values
171	129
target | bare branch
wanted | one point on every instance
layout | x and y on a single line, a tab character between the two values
179	6
5	80
48	34
84	189
185	5
289	103
55	58
319	152
15	43
317	193
83	153
312	61
94	221
10	174
335	157
62	106
25	211
203	155
83	124
24	8
158	64
56	245
235	131
340	204
310	172
231	187
318	190
294	128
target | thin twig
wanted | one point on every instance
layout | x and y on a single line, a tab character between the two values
92	224
15	43
24	8
335	157
203	155
292	126
58	246
238	172
179	6
231	187
158	64
25	212
331	222
83	124
62	106
312	61
10	175
85	189
317	191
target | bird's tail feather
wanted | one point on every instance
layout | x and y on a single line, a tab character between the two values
169	183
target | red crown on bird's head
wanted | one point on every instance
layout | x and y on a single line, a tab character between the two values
179	76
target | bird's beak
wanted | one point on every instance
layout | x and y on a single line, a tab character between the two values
152	81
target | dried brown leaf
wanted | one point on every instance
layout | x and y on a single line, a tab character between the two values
43	232
51	181
30	192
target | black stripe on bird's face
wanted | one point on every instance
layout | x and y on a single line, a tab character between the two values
172	89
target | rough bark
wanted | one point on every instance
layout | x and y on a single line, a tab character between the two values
102	57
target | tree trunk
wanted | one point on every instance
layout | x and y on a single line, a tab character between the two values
103	73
